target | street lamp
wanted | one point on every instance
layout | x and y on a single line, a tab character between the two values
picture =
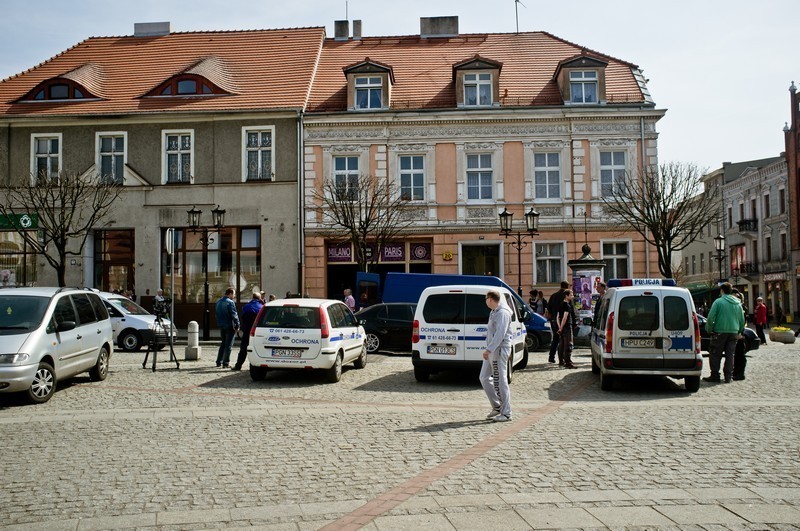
532	227
218	221
719	245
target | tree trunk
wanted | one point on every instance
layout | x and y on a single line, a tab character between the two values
61	273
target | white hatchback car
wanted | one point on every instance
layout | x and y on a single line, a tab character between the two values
306	334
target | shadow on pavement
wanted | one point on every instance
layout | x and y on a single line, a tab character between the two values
404	382
442	426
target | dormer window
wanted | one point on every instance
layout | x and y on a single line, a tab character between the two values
369	85
477	82
57	89
369	92
187	85
477	89
583	86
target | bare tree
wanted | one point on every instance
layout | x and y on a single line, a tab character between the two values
365	210
67	206
665	204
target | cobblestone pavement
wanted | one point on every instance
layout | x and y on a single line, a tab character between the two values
201	448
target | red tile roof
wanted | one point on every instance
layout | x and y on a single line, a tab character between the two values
423	69
263	69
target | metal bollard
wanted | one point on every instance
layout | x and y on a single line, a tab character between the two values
193	348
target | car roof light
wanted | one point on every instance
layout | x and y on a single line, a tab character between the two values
620	282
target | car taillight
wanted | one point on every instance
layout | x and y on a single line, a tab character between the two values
323	323
415	332
255	323
609	332
696	334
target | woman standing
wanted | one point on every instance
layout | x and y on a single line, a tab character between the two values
761	319
565	331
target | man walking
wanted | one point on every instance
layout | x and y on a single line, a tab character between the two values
553	306
228	323
494	371
349	300
761	319
249	314
726	319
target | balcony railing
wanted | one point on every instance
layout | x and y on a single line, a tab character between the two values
748	268
748	225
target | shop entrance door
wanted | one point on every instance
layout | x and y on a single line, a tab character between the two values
480	259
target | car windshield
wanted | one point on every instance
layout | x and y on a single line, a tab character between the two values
289	317
20	315
127	306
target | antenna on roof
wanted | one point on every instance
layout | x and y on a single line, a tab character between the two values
516	11
346	12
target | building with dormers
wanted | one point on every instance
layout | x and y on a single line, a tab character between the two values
201	120
467	125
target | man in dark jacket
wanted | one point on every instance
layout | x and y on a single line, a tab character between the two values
553	306
249	314
228	323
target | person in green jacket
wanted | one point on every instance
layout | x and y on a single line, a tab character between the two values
726	319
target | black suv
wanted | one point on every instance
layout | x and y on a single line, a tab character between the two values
388	326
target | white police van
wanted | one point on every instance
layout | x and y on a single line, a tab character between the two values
646	327
449	329
306	334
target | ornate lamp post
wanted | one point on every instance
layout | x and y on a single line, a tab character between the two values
532	228
218	221
719	245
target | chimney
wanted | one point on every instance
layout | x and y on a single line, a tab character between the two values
150	29
430	27
356	30
341	30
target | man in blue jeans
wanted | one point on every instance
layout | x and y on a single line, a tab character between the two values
228	323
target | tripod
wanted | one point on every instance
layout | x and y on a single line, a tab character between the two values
154	343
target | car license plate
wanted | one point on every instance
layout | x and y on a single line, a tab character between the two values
442	349
286	353
639	343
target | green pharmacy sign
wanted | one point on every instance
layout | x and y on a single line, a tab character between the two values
19	221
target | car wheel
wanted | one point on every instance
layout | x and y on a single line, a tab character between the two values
531	342
421	375
606	381
595	366
509	369
334	374
523	362
99	372
43	385
372	342
361	361
130	341
258	373
692	383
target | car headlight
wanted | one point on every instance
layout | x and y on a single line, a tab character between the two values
14	359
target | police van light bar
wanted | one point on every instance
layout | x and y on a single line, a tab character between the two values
619	282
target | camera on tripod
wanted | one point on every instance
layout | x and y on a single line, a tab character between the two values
161	307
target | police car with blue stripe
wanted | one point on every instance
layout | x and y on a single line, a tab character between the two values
449	329
646	327
306	334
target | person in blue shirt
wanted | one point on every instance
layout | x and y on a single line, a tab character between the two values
228	323
249	315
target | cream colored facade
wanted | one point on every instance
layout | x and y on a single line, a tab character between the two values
454	224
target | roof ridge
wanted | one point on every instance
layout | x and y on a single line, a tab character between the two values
200	32
581	47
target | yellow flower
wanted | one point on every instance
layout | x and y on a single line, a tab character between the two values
781	329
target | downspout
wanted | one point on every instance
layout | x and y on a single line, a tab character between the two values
646	245
300	202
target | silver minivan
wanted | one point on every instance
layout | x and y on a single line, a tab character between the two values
646	327
49	334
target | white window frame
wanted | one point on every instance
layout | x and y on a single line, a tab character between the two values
98	138
629	264
165	133
33	165
369	86
613	168
562	259
411	173
548	170
347	172
477	83
480	170
584	78
245	150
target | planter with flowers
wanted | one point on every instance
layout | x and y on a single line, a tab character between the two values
781	334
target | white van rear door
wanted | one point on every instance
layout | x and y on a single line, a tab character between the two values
441	330
639	336
679	337
476	319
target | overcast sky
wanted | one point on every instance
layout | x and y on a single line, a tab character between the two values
722	69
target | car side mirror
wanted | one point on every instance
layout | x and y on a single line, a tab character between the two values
65	326
525	315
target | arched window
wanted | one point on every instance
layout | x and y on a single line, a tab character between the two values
57	89
186	85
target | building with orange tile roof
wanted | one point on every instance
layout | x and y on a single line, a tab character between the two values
469	125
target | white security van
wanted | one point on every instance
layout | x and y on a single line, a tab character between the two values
306	334
134	326
450	329
646	327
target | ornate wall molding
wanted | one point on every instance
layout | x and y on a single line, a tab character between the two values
351	148
550	211
487	212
